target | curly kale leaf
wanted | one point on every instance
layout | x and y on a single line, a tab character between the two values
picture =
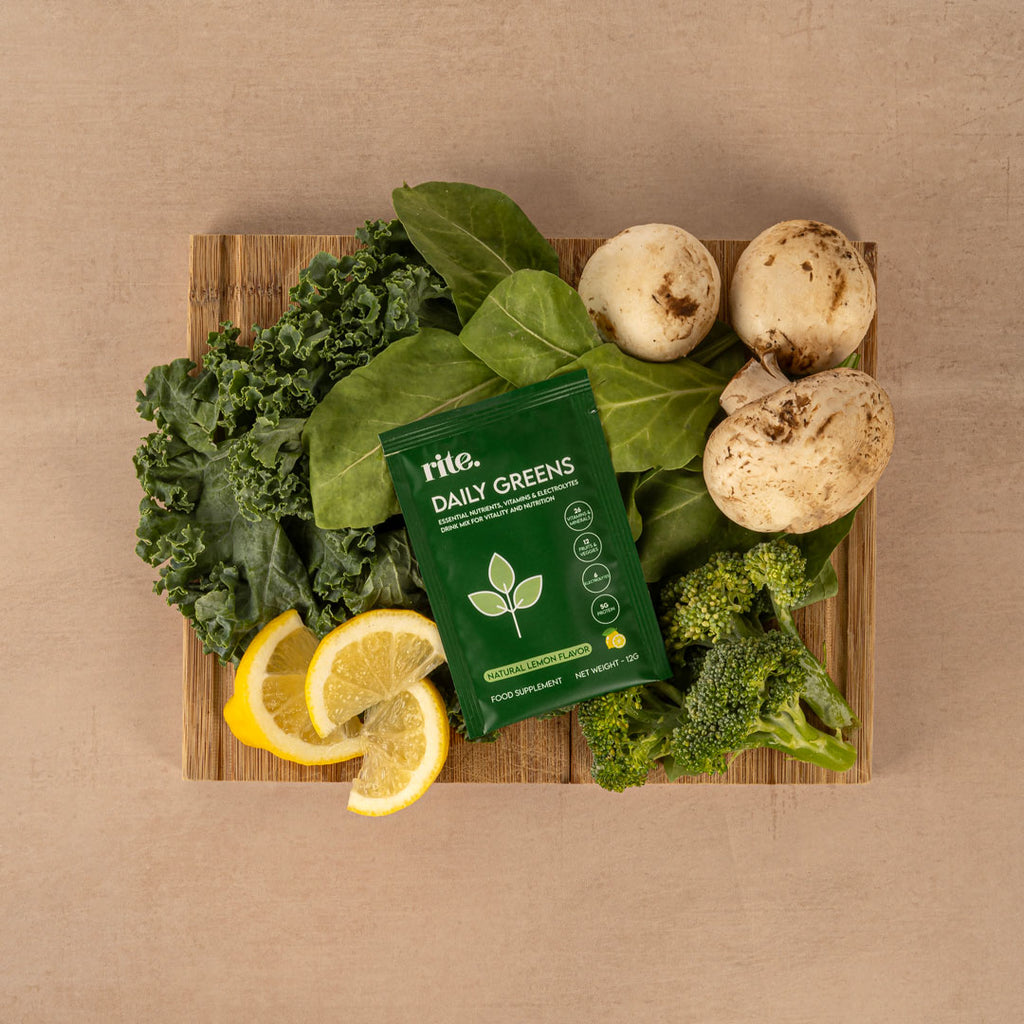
226	517
226	574
266	477
344	310
182	405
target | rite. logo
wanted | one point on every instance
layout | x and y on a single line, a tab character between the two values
448	465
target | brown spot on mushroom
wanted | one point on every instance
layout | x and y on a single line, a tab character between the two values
821	429
771	259
815	227
682	307
806	265
603	324
788	419
838	290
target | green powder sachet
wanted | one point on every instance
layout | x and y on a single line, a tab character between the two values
516	518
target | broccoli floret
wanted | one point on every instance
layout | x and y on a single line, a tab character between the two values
746	695
708	603
742	675
779	567
628	731
731	596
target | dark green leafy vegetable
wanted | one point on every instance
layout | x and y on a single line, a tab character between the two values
473	237
226	516
344	310
653	414
721	351
262	468
818	545
418	376
531	325
681	525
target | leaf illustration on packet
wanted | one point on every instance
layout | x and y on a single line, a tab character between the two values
506	598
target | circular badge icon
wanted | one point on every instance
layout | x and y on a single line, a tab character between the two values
605	608
596	577
586	547
578	516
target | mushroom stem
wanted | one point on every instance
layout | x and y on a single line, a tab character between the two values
757	378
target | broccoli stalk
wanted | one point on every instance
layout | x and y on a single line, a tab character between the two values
790	732
780	568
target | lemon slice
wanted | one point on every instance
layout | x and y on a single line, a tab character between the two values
405	744
268	707
367	660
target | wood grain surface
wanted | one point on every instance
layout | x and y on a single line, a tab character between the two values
245	279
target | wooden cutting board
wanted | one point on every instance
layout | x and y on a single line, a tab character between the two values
245	279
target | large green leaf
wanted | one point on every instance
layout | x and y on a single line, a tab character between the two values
682	526
817	547
414	377
529	326
653	414
473	237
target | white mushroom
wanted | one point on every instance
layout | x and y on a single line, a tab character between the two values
802	456
802	291
653	290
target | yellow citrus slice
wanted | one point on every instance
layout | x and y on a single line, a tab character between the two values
268	707
405	743
367	660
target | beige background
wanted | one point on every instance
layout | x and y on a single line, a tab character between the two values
129	895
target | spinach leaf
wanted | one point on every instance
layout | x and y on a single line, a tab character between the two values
653	414
473	237
529	326
355	570
818	545
824	586
682	526
415	377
